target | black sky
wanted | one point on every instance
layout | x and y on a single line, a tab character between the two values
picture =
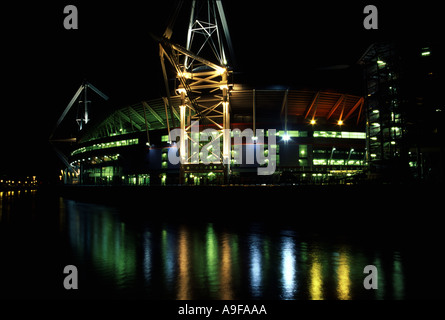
284	43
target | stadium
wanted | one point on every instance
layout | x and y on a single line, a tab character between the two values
320	135
130	145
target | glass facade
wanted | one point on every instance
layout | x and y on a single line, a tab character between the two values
385	113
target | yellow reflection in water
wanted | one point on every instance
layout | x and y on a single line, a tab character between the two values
226	269
344	281
316	285
184	272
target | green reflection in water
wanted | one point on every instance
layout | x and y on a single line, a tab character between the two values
212	258
398	278
102	239
380	292
112	248
168	257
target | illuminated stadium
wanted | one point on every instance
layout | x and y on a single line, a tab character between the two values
130	145
319	134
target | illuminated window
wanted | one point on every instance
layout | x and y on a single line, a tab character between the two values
320	162
292	133
164	138
426	52
144	179
112	144
337	162
303	151
339	134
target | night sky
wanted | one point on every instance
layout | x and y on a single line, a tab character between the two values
285	43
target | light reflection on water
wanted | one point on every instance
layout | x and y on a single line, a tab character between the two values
256	267
288	268
209	261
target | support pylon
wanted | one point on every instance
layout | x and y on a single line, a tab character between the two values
202	72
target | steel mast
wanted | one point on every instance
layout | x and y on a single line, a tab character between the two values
202	74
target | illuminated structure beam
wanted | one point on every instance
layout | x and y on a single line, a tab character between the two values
203	81
284	108
315	110
128	119
67	109
339	101
360	111
359	103
83	119
154	113
136	114
309	108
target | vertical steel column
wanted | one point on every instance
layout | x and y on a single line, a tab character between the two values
86	103
285	113
226	127
182	143
254	115
183	136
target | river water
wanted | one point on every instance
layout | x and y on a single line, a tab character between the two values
118	255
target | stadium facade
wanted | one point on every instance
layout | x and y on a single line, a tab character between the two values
320	138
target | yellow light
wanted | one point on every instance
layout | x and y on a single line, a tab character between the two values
313	121
221	71
185	74
340	122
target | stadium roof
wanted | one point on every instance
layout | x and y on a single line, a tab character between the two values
304	105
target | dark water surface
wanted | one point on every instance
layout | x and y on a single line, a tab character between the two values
147	254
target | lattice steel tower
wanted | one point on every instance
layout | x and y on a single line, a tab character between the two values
202	73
